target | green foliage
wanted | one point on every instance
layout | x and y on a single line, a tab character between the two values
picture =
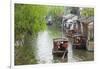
24	55
56	12
29	19
87	12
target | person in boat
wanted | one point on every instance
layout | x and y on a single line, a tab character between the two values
58	45
63	46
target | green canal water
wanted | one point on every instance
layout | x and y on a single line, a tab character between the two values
39	50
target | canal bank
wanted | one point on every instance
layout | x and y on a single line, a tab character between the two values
39	50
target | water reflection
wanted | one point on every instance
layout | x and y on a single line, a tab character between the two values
44	46
83	55
70	54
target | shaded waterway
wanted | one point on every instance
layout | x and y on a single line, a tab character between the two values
44	46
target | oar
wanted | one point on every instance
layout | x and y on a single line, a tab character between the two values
64	54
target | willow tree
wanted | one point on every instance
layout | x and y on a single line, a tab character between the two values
29	19
88	12
56	12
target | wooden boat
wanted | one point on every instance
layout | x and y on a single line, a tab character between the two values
70	33
79	41
60	46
